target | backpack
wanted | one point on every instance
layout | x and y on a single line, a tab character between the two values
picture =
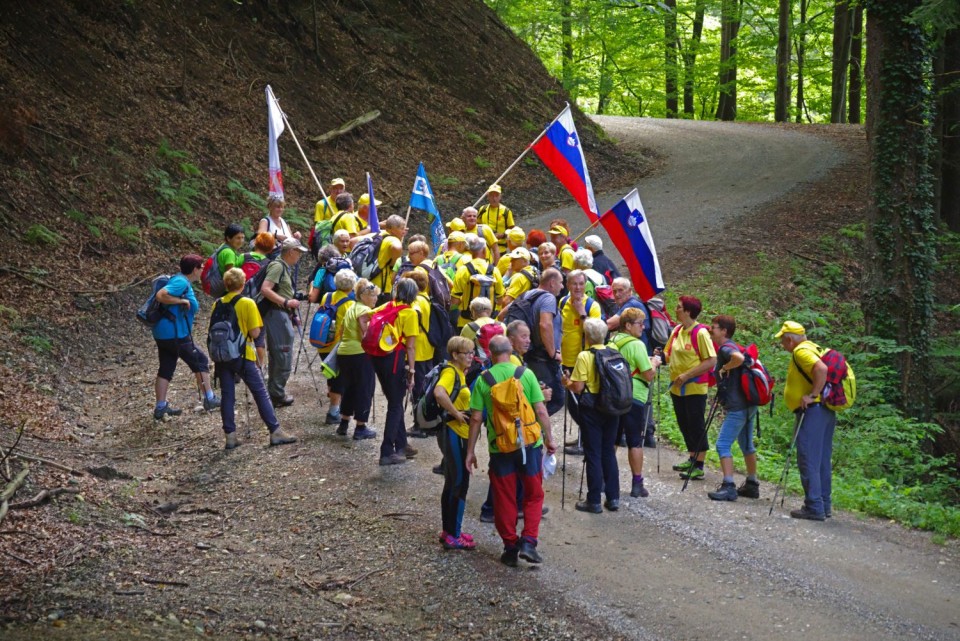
382	337
840	392
151	311
255	286
754	378
513	419
707	378
616	382
604	296
522	310
661	325
439	287
428	414
210	277
254	270
587	304
483	336
531	275
365	257
323	327
323	232
439	331
330	270
225	342
485	281
448	267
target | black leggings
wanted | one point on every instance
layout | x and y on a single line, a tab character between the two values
689	410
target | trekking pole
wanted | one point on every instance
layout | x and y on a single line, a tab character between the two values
782	484
583	469
246	395
703	437
313	374
563	484
296	365
659	420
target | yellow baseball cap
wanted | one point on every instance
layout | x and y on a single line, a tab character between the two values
456	225
338	181
365	200
559	229
495	189
791	327
457	237
516	236
520	252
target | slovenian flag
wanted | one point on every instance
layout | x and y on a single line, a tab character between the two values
626	223
421	197
374	221
274	129
560	150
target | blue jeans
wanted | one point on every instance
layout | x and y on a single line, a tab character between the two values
737	426
814	450
249	373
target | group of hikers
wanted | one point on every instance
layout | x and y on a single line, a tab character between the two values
495	332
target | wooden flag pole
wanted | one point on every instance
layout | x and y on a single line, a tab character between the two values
299	148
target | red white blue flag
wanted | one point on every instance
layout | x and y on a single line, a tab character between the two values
626	223
274	129
560	151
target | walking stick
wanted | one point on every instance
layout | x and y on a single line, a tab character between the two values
782	484
296	365
313	375
703	437
659	420
563	484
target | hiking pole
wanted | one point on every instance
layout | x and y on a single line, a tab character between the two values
659	420
296	365
703	437
563	484
782	484
313	374
246	395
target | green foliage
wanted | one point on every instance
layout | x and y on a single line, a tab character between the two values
38	234
129	234
482	163
178	182
443	179
470	111
38	343
477	139
238	193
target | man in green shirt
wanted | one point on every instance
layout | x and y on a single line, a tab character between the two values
278	296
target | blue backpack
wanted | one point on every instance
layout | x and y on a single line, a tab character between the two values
152	311
323	328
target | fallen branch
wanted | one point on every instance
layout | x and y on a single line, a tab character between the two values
398	515
19	558
44	461
22	533
10	450
129	592
15	484
347	127
810	258
179	584
44	496
305	582
149	531
362	577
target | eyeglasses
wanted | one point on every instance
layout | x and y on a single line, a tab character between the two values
462	353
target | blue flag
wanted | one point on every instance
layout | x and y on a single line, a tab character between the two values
422	198
374	221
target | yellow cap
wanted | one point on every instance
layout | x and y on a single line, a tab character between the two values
520	252
791	327
495	189
456	225
559	229
516	236
338	182
365	200
457	237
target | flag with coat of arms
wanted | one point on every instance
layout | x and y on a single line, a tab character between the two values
421	197
629	230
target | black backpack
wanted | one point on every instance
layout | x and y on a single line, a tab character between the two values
428	414
616	385
365	257
439	331
522	309
225	342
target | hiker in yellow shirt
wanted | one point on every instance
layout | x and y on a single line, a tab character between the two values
496	216
471	226
326	208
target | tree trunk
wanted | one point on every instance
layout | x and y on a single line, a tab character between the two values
901	232
856	65
801	57
566	49
947	87
729	27
690	59
781	108
841	59
670	57
606	81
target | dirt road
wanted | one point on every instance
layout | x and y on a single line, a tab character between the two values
315	540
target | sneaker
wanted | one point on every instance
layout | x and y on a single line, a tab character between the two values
544	510
417	433
342	430
695	474
827	513
509	557
410	452
463	535
749	489
573	450
486	517
806	513
460	543
437	469
166	410
279	437
393	459
332	419
592	508
362	433
637	490
528	552
211	403
725	492
231	441
683	467
612	504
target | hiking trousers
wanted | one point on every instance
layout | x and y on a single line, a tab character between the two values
691	421
249	373
280	336
359	383
393	382
814	451
599	437
505	469
456	482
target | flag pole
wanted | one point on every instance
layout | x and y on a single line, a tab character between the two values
592	225
520	157
297	142
407	219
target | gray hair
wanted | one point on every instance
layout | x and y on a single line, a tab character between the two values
345	280
407	290
480	304
344	201
620	281
549	245
593	242
341	233
472	210
583	258
513	329
475	243
500	345
394	222
326	253
549	275
595	330
796	337
577	273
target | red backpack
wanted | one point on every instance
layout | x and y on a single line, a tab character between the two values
210	278
755	379
383	321
708	378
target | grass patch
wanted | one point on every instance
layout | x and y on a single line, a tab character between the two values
42	236
477	139
482	163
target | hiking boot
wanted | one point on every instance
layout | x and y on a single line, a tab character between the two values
683	467
592	508
827	513
362	433
486	517
332	419
695	474
460	543
749	489
279	437
725	492
528	552
410	452
211	403
393	459
509	557
573	450
342	430
806	513
612	504
650	440
166	410
438	469
231	441
417	433
637	490
281	401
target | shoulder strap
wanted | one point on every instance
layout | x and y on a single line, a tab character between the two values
488	378
475	326
797	363
472	268
694	338
490	269
517	373
336	219
563	301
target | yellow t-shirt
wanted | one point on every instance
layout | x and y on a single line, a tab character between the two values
351	337
471	329
585	369
504	263
387	264
571	328
520	284
461	402
407	323
248	318
325	210
466	290
516	360
486	234
683	358
424	348
806	354
566	255
498	218
332	298
352	223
